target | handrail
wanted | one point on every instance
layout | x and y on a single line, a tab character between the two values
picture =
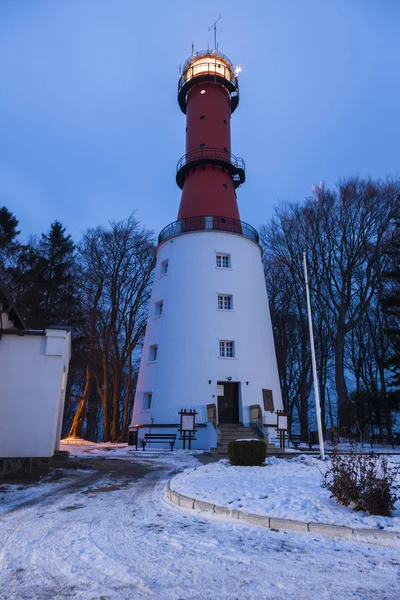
210	153
208	223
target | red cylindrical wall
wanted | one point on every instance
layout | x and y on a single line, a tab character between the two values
208	190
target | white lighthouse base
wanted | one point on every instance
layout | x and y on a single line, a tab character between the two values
184	364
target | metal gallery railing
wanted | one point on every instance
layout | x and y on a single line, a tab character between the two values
208	223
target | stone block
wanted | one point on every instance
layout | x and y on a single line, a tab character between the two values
261	520
222	510
186	502
326	529
377	533
288	524
174	497
200	505
235	513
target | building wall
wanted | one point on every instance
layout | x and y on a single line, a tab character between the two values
33	373
189	330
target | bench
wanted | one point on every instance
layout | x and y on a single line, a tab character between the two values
158	438
296	439
384	440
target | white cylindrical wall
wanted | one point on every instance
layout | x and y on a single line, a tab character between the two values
188	331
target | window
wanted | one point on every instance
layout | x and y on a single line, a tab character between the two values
153	352
225	122
226	149
202	117
159	308
226	349
223	261
164	267
202	145
147	399
225	186
203	92
225	302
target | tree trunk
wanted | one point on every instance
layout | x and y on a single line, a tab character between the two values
124	432
115	431
104	397
79	418
344	407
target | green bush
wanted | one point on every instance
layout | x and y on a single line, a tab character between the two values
247	453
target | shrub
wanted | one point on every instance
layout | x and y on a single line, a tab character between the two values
247	453
365	481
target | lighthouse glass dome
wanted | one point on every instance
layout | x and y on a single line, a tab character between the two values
208	64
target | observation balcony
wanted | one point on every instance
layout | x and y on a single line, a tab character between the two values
208	66
209	223
214	157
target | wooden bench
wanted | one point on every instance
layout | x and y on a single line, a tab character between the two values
296	439
158	438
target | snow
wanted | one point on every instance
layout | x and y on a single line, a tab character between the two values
283	488
109	535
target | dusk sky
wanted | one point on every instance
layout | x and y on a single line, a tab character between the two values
90	128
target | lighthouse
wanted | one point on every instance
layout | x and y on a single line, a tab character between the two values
209	343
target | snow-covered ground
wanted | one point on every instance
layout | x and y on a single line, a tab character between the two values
111	536
289	489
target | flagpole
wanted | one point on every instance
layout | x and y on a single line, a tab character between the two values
313	362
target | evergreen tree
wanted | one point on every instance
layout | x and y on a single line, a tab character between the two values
44	278
9	245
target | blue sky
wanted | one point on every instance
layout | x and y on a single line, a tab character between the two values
90	129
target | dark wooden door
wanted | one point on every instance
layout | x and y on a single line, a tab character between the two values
228	402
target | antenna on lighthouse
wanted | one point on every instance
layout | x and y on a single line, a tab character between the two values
214	26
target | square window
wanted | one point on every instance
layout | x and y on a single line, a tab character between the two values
147	400
153	352
159	308
226	349
225	302
223	261
164	267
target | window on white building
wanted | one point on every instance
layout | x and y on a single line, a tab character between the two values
147	400
223	261
153	352
225	302
226	349
164	267
159	308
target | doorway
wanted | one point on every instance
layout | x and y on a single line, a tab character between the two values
228	402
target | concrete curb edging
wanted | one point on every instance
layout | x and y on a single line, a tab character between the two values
275	523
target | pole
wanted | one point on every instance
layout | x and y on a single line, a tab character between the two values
314	364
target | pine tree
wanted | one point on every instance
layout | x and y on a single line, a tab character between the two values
44	278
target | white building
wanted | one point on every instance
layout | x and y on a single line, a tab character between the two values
209	342
33	376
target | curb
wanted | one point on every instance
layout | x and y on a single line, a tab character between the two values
275	523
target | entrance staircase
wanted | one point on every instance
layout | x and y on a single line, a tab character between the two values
237	431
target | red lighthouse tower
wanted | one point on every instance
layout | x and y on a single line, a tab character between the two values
208	174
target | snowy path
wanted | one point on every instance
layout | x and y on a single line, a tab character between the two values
116	539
